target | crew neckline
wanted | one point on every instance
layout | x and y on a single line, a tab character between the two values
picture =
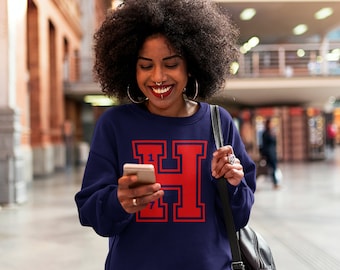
142	110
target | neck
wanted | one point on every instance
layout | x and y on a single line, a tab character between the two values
186	109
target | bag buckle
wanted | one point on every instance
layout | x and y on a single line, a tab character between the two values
237	266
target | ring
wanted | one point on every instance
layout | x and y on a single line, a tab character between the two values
231	159
134	202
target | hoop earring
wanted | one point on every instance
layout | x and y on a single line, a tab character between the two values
133	100
196	91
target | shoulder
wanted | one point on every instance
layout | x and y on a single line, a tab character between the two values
225	113
116	114
120	110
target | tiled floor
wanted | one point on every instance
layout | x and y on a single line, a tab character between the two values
301	222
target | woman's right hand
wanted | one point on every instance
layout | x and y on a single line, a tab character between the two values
136	198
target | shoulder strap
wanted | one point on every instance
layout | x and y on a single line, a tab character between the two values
224	195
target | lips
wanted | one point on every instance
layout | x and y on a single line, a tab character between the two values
161	91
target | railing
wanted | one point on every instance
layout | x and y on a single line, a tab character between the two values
286	60
290	60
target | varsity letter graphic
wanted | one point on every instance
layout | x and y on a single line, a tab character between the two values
182	178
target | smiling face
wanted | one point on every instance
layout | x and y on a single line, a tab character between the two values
161	75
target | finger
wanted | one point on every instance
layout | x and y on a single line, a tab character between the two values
224	166
222	163
139	203
127	180
223	151
235	175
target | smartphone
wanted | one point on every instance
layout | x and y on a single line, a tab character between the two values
145	172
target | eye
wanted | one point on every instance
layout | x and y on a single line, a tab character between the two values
172	65
145	67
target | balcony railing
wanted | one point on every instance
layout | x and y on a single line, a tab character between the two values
290	60
286	60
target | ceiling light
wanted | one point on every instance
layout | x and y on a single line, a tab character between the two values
300	29
300	53
323	13
254	41
247	46
247	14
243	50
234	67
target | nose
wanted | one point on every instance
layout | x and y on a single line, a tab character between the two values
158	74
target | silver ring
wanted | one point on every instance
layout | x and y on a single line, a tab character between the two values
158	83
231	159
134	202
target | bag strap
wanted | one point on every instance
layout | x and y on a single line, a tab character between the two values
237	262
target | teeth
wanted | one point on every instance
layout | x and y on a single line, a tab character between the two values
161	90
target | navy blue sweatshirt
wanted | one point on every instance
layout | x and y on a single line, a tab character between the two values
184	229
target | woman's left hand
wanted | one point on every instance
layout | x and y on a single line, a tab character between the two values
225	164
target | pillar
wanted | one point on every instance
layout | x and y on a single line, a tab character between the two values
15	165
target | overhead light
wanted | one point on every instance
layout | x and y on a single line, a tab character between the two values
300	53
254	41
300	29
247	14
243	50
100	100
234	67
251	43
323	13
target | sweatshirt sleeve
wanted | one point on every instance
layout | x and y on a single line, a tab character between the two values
97	201
242	196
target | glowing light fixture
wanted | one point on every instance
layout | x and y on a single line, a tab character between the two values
334	55
252	42
234	68
300	29
300	53
336	51
247	14
323	13
100	100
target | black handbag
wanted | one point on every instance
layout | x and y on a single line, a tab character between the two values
248	248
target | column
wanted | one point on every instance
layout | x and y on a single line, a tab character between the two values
14	163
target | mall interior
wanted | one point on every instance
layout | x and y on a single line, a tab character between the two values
288	71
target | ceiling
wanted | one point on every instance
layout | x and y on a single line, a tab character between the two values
318	92
273	24
274	20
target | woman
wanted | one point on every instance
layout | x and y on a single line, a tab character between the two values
162	54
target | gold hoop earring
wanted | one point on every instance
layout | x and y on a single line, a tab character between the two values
141	100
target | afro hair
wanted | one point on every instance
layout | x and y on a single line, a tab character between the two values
199	30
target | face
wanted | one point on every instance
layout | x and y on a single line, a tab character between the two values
159	63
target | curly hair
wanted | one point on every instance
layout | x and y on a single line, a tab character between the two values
199	30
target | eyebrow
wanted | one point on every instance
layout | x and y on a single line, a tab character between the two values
164	59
